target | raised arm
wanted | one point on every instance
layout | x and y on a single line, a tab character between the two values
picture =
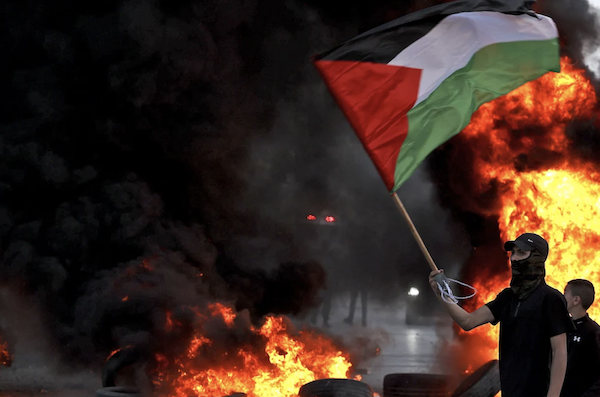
464	319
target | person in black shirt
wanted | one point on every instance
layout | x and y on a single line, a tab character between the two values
583	344
534	322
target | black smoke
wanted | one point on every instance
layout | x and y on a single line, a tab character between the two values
578	29
160	154
156	155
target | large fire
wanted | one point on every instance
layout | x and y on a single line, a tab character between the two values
274	360
543	187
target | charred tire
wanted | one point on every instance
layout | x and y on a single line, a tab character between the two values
336	388
118	392
485	382
117	362
421	385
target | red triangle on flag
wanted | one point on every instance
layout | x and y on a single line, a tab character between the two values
375	98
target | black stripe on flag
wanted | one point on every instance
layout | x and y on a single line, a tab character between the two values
383	43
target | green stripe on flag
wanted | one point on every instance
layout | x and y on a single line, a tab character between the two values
492	72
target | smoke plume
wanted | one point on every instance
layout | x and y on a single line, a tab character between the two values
160	154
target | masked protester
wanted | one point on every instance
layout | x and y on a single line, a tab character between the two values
534	322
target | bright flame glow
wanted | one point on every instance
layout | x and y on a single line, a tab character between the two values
559	200
286	361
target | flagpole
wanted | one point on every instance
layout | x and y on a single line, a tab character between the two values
414	231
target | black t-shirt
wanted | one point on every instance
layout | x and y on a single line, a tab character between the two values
526	327
583	365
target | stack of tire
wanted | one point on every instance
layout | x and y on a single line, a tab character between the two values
336	388
485	382
416	385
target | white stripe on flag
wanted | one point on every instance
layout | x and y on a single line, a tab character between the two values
451	44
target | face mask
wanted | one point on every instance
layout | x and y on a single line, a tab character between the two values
527	274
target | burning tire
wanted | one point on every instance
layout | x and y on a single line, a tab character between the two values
118	391
115	363
413	385
485	382
336	388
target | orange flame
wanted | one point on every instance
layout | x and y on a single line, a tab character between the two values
559	200
285	361
218	309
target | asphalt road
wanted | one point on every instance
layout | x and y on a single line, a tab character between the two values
404	348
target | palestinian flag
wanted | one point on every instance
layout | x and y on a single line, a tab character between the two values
410	85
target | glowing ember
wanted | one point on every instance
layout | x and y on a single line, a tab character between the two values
549	191
146	265
115	352
112	353
276	361
169	322
6	357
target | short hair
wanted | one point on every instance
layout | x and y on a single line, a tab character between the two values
584	290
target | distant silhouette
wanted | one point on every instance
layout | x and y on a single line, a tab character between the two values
324	308
362	289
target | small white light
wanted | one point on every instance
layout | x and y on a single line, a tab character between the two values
413	291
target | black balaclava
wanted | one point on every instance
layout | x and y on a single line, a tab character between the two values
527	274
